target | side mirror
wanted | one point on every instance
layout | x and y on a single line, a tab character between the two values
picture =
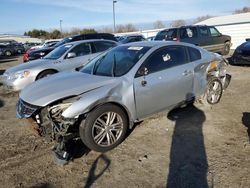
248	39
71	55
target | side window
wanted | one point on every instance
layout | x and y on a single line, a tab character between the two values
189	32
194	54
82	49
101	46
166	58
214	32
204	31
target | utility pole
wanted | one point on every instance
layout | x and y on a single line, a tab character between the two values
61	26
114	1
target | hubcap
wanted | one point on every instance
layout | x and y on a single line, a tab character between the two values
214	92
107	129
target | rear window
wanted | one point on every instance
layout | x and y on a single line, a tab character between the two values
204	31
189	32
194	54
101	46
166	34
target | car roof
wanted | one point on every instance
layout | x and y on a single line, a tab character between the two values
157	43
90	40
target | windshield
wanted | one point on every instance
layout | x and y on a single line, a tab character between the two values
58	52
65	40
116	62
167	34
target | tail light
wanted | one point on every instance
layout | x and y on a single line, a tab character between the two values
26	57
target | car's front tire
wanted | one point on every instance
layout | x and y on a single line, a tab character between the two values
104	128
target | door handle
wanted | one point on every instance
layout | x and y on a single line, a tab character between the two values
187	72
143	83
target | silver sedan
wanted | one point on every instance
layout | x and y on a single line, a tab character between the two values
66	57
124	85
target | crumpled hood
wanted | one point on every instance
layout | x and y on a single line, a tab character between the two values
62	85
27	66
246	46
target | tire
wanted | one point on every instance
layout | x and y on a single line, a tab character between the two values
97	135
226	48
45	74
8	53
214	91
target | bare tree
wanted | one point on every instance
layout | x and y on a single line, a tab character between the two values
178	23
159	24
202	18
106	29
126	28
243	10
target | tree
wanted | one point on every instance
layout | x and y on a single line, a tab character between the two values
243	10
178	23
125	28
88	31
202	18
55	34
159	24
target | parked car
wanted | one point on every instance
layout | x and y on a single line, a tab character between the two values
1	52
39	53
241	54
131	38
207	37
49	43
19	48
120	87
8	50
66	57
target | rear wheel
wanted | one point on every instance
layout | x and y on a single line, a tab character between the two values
45	74
104	128
8	53
226	49
214	91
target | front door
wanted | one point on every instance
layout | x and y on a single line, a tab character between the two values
169	81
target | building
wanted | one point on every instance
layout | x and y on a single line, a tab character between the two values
237	26
20	38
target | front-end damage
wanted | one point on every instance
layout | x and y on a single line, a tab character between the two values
48	122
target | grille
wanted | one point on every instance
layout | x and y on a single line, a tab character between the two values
24	109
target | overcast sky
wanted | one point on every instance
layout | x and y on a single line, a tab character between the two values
18	16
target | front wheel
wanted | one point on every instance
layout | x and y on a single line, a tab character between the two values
104	128
214	91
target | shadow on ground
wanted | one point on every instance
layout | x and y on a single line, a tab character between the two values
1	103
43	185
99	166
246	122
8	59
188	162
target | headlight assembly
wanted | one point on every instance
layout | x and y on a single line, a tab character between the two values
20	75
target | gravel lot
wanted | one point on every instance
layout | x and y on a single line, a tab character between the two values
195	146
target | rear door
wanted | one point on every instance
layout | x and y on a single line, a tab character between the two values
169	81
189	35
204	37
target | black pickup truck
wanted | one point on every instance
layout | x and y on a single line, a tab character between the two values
207	37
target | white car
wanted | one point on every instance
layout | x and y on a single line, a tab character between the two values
66	57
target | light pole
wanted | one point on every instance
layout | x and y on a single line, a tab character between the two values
61	26
114	1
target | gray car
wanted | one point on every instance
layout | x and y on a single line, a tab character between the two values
124	85
66	57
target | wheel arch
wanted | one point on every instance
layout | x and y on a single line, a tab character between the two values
54	70
124	109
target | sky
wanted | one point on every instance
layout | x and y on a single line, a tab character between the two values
18	16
